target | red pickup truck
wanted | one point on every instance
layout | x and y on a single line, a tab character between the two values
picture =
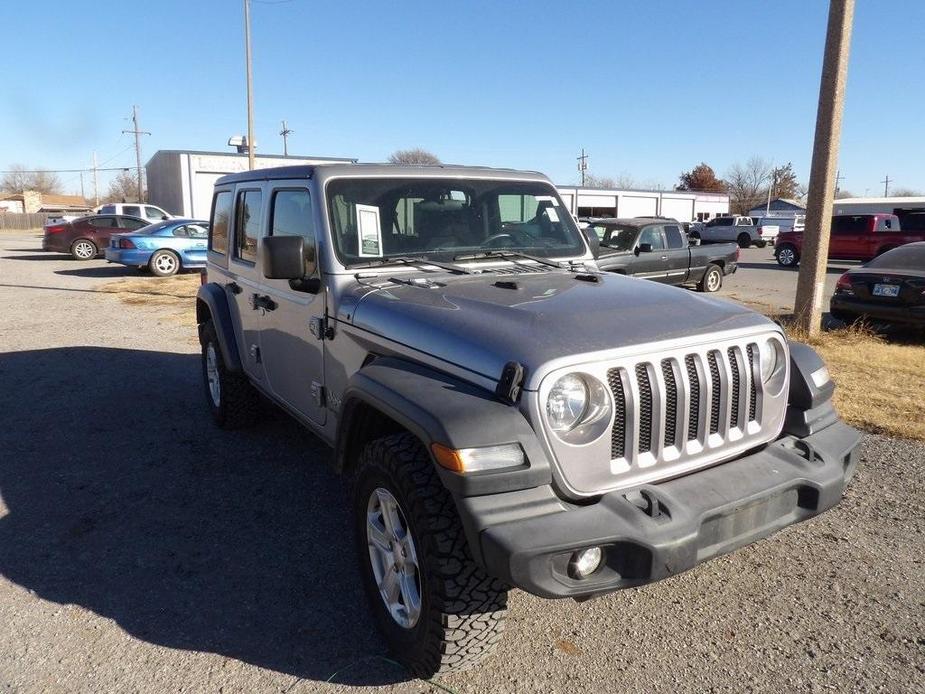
854	237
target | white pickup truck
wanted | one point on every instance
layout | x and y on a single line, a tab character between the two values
743	230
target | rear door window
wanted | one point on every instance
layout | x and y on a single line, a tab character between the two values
108	209
221	216
134	210
103	222
247	225
153	212
673	236
128	223
849	224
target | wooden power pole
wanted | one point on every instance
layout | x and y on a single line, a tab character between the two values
137	133
814	258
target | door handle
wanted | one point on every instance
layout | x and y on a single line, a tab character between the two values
259	301
664	257
234	287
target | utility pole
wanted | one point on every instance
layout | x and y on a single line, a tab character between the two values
838	179
250	98
814	260
285	132
137	133
886	186
772	184
82	194
96	183
583	165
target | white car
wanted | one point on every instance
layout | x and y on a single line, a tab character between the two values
152	213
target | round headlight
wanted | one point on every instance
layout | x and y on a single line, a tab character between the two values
772	363
567	402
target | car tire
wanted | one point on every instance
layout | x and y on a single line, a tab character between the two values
233	401
84	249
712	279
164	263
787	255
761	244
445	613
744	240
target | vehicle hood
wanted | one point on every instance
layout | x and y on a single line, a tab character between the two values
473	323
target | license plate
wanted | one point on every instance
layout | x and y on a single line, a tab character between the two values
886	290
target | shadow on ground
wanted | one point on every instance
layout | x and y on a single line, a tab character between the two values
50	255
103	272
830	270
124	499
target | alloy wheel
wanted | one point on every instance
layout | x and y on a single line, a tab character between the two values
84	250
165	264
393	558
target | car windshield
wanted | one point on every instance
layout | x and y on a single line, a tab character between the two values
621	238
443	218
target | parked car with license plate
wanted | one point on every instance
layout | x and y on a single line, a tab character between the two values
164	248
657	249
889	289
87	237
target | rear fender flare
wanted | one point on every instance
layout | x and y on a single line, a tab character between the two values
212	303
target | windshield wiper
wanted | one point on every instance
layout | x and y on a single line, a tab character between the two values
509	255
419	263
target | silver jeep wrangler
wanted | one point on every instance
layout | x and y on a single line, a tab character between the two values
508	415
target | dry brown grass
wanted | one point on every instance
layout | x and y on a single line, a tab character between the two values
177	292
880	382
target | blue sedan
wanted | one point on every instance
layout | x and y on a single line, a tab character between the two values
164	247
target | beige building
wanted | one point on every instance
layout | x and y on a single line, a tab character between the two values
32	201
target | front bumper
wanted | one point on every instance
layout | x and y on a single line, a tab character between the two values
660	530
848	308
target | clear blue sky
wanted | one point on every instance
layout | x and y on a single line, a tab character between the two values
648	88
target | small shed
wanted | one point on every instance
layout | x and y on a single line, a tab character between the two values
779	207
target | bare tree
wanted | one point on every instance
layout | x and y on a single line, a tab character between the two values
20	178
905	193
415	157
842	194
123	188
747	183
622	182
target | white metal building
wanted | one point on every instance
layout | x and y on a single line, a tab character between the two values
875	205
181	181
685	206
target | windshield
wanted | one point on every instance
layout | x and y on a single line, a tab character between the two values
443	218
621	238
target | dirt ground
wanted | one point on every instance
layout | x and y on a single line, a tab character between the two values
143	550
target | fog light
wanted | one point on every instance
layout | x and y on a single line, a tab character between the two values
585	562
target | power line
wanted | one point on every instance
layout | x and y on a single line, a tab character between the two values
32	171
886	186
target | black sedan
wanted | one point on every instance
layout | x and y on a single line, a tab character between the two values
888	289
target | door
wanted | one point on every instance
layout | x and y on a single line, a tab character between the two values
650	265
678	256
716	229
99	230
292	348
246	284
850	237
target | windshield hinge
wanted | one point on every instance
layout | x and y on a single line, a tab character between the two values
512	377
318	326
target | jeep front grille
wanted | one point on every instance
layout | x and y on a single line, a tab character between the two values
698	408
674	410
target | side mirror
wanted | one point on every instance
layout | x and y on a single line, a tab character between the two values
164	217
283	257
644	248
593	241
693	241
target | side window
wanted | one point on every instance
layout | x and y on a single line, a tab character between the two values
182	231
108	209
134	210
247	225
291	215
653	236
133	223
103	222
221	215
153	212
673	234
197	231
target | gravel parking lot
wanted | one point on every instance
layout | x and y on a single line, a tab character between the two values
141	549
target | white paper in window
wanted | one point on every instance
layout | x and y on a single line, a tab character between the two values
552	214
369	231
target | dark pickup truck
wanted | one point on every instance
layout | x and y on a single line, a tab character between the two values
657	249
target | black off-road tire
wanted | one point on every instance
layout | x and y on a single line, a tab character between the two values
744	240
238	403
761	244
462	608
712	279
